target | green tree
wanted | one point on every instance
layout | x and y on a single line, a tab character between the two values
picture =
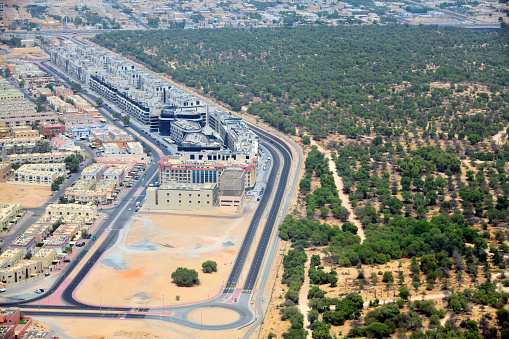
75	86
99	101
404	293
184	277
126	120
209	266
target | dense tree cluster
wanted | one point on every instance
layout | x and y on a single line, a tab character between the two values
346	80
324	198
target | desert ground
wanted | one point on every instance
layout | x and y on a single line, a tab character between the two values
137	270
28	196
129	329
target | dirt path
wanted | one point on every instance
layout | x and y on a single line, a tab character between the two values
303	298
339	184
498	137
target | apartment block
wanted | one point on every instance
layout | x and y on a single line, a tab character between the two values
135	148
37	174
79	119
79	102
24	132
39	158
27	244
9	216
20	272
202	170
50	130
63	210
39	231
232	197
93	172
58	242
6	171
67	230
46	256
11	257
183	197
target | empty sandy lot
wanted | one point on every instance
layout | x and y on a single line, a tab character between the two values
137	270
28	196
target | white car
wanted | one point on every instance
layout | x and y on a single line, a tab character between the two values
38	291
130	208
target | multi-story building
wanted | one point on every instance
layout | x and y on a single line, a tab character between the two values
68	230
58	243
6	171
57	104
21	132
135	147
27	244
184	197
22	271
93	172
11	94
86	211
39	230
96	196
9	215
27	144
232	197
79	119
11	257
50	130
62	142
179	129
38	174
39	158
79	102
206	169
46	256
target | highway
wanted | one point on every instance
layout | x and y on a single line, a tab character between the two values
108	232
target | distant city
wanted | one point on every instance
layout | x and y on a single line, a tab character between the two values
131	15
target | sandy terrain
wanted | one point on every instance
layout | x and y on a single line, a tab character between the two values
28	196
69	328
136	272
208	316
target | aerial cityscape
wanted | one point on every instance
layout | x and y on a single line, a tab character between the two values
254	169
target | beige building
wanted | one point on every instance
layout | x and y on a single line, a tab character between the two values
67	230
24	132
27	244
46	256
38	174
79	119
11	257
63	210
135	147
79	102
58	242
93	172
23	270
6	171
184	197
9	216
39	231
39	158
232	197
58	104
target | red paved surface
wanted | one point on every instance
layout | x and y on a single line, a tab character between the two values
235	296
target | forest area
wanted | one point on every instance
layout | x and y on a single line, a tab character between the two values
415	121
